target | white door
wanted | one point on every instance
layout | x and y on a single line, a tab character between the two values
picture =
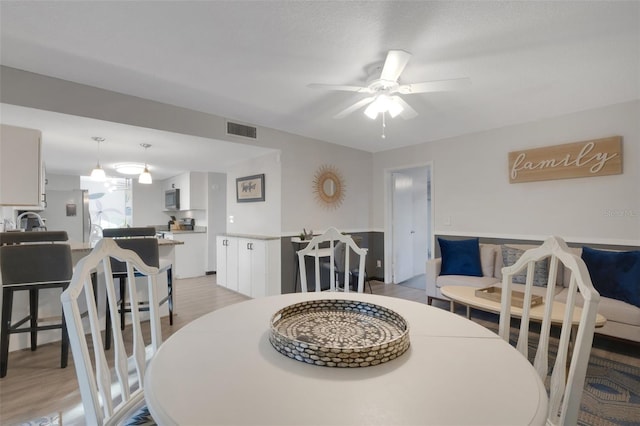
402	223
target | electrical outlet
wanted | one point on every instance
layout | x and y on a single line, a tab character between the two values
379	263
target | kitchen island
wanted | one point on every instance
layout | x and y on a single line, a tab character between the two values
190	257
49	304
166	247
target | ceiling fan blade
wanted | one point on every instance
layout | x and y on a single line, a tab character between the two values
407	111
435	86
394	64
343	88
357	105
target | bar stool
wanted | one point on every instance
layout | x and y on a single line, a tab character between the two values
32	261
142	241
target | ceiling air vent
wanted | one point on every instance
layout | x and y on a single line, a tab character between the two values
242	130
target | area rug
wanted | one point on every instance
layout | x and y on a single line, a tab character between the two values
51	420
611	395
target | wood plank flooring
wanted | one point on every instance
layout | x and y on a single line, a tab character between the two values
35	385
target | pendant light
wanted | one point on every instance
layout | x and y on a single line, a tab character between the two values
384	104
98	173
145	176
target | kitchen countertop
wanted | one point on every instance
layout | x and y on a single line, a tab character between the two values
80	247
184	231
196	230
254	237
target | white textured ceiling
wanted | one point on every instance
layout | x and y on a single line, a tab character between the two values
252	61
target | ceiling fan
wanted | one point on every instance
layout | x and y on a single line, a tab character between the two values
385	90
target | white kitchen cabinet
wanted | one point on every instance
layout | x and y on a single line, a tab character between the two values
21	178
190	256
193	189
227	262
256	272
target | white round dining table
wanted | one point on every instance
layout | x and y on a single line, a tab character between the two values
221	369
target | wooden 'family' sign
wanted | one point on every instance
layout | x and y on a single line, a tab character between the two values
598	157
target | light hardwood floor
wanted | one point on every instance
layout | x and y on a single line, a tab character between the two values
35	385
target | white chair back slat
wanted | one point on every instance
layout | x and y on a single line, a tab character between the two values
541	360
108	397
558	375
120	354
154	311
331	237
332	266
523	335
569	369
86	376
138	341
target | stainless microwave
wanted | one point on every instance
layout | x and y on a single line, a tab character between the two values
172	199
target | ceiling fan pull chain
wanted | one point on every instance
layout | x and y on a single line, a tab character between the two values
384	125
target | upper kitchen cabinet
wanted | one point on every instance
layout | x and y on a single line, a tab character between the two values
193	190
21	168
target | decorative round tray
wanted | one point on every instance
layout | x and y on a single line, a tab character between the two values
339	333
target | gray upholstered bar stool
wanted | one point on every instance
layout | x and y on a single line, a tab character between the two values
32	261
142	241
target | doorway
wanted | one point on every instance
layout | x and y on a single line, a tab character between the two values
409	227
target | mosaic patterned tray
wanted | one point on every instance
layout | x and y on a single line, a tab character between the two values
339	333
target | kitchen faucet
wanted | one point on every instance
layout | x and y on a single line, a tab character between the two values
41	225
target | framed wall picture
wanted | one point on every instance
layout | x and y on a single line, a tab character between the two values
250	189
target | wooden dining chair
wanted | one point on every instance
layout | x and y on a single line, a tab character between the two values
110	397
142	240
568	372
31	262
328	241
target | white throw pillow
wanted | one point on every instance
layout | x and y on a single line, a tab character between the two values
487	259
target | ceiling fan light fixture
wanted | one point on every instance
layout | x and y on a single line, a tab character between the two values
383	85
395	108
382	104
371	111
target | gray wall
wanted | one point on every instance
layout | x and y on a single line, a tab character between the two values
373	241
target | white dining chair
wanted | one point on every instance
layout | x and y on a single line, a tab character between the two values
110	397
328	241
574	347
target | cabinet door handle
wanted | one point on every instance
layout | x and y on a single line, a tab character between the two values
249	246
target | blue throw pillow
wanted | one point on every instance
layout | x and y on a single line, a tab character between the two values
615	274
461	257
